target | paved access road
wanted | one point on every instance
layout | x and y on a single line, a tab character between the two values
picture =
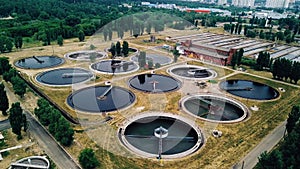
43	138
49	145
270	141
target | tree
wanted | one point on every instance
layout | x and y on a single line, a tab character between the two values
240	56
4	65
262	35
24	123
81	36
18	42
176	54
157	65
150	63
236	28
272	160
196	23
63	132
19	86
289	38
118	48
293	118
16	118
4	104
251	34
158	26
142	59
148	27
240	29
280	35
232	28
112	50
245	30
87	159
110	34
227	27
125	66
275	68
2	44
125	48
9	44
60	40
105	34
263	61
234	59
295	72
43	112
72	20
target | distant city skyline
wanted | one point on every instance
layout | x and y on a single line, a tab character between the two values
243	3
222	2
278	3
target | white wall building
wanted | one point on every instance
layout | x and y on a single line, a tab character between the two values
222	2
243	3
277	3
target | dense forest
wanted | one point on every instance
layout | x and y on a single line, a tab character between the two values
41	20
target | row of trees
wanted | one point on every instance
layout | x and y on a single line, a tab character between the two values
117	50
17	119
233	28
10	75
284	69
263	61
6	44
4	104
58	126
139	24
287	154
237	58
145	62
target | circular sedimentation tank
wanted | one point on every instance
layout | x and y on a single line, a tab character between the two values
98	99
39	62
64	76
192	72
214	108
113	66
161	135
86	55
28	162
249	89
154	83
156	58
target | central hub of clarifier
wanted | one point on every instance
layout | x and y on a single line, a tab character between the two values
161	132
